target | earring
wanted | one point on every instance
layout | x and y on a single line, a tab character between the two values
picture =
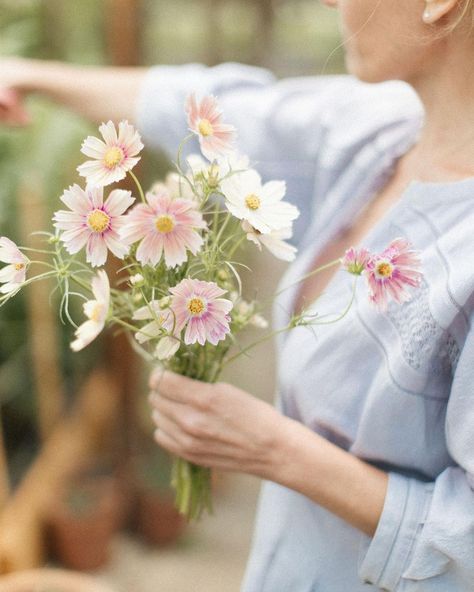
427	14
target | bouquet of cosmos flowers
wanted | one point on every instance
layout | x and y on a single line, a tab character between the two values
180	301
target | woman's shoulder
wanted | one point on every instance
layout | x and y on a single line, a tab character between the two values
341	110
381	113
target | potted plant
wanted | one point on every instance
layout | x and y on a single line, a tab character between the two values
157	519
50	580
84	520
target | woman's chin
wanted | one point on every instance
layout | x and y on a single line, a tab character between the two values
364	71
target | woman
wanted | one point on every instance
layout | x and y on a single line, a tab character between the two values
369	460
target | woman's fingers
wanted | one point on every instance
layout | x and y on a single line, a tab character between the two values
186	418
11	108
182	389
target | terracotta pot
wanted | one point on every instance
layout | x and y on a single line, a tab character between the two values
158	521
83	523
47	580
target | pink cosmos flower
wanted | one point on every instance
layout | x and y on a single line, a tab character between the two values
355	260
197	305
113	157
14	274
392	272
93	223
204	119
167	226
96	312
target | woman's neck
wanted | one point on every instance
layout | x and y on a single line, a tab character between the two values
445	148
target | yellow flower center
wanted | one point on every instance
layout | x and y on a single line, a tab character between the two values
384	269
113	157
95	312
19	266
196	306
252	201
164	224
98	220
205	128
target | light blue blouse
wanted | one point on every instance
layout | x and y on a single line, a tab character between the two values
395	389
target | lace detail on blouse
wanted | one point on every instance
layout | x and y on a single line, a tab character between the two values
424	343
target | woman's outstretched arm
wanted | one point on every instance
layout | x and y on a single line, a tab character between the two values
96	93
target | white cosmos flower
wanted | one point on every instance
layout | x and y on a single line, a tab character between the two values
175	185
14	274
260	204
212	173
96	312
274	241
168	345
166	348
136	279
257	320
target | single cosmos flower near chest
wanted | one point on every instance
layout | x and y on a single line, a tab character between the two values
96	312
13	275
160	323
261	205
391	273
274	241
93	223
164	226
198	307
113	156
355	260
205	120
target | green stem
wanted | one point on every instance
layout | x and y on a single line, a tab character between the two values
236	246
255	343
308	275
222	228
180	151
290	326
124	324
79	282
346	310
33	250
139	187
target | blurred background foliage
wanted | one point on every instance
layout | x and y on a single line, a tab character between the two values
291	37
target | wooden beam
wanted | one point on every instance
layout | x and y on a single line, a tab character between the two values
43	322
4	477
122	25
69	447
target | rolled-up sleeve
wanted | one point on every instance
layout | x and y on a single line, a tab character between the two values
276	120
425	537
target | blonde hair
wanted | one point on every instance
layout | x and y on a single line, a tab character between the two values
466	12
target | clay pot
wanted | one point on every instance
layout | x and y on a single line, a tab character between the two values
83	523
158	521
46	580
156	518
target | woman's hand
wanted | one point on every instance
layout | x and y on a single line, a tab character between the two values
216	425
221	426
13	74
12	111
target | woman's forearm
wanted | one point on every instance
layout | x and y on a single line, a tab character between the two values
96	93
333	478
